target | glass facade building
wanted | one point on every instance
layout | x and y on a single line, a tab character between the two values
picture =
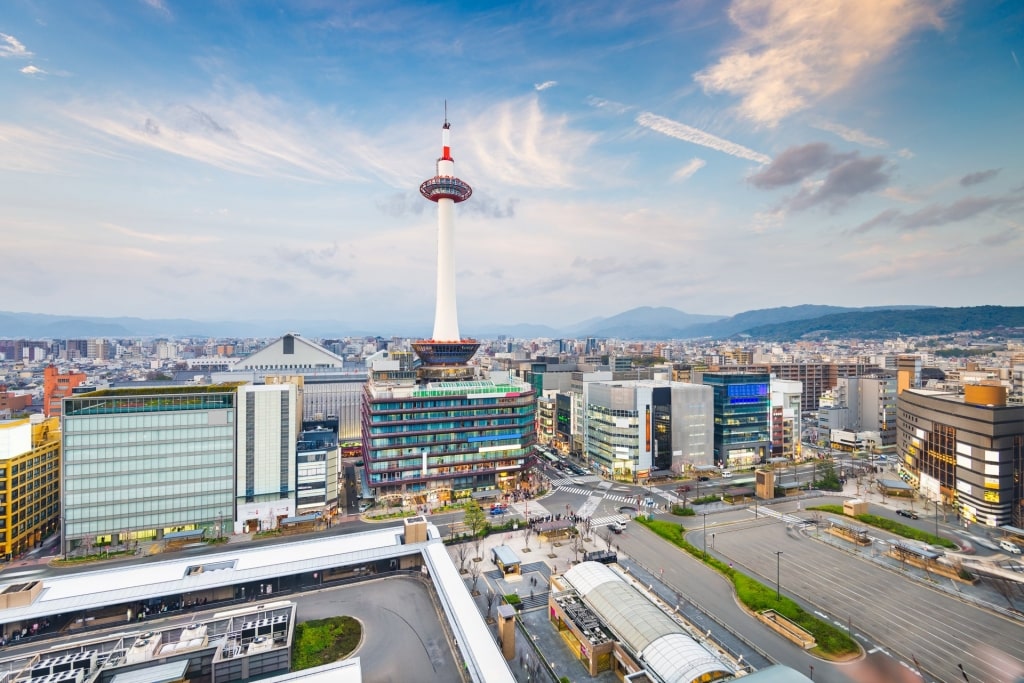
139	463
742	417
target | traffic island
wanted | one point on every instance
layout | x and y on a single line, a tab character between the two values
787	628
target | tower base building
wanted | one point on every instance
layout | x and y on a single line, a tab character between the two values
427	442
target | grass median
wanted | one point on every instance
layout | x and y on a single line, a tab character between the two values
832	642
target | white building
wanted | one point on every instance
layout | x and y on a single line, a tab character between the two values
634	427
267	428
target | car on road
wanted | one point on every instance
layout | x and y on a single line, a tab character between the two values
703	478
726	474
617	527
907	513
1010	547
363	507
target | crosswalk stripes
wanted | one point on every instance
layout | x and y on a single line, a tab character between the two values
602	521
587	492
585	479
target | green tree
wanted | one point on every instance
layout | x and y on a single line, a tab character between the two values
474	518
827	479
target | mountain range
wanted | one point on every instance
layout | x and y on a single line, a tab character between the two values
645	322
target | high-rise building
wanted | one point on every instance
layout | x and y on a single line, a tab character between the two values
56	387
142	462
967	450
267	429
441	430
742	407
29	483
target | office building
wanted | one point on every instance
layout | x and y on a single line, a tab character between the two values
966	450
267	429
742	412
316	459
634	428
29	483
140	463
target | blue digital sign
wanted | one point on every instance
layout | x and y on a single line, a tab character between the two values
750	391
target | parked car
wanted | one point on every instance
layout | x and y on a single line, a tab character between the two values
1010	547
907	513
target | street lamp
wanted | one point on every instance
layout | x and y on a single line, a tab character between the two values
778	574
936	517
704	536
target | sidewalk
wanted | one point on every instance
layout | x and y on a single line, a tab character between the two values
540	650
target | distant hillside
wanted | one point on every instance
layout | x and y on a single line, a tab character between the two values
891	323
742	322
645	322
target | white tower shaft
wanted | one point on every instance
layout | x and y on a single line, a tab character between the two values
446	318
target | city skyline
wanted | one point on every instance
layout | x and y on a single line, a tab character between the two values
160	159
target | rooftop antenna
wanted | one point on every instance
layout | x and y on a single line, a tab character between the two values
446	113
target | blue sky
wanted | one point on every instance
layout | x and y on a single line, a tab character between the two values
246	160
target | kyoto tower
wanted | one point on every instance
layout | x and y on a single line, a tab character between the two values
446	354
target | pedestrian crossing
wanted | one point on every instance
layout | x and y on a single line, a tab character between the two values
584	479
599	522
608	496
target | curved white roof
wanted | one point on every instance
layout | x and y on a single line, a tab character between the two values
678	657
667	651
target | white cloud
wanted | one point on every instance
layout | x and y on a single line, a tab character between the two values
850	134
245	133
42	151
905	153
518	144
12	47
793	53
32	70
610	105
681	131
545	85
691	167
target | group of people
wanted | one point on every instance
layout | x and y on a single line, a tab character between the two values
35	629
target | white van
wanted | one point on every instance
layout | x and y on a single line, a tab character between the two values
1010	547
726	474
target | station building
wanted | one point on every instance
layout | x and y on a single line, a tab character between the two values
966	450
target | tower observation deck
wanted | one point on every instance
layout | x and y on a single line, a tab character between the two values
446	350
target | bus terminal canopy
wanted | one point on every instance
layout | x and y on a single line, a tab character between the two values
705	468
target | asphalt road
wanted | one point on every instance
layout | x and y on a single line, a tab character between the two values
896	619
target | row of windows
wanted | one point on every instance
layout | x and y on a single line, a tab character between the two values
113	424
435	426
146	513
455	464
205	463
215	448
146	435
126	486
453	402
